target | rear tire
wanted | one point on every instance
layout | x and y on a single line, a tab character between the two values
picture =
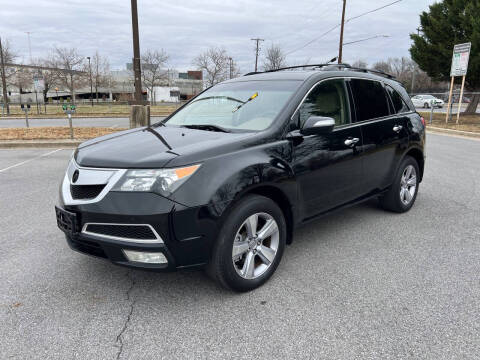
426	106
403	192
250	244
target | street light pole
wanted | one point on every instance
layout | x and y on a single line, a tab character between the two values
136	55
91	86
340	48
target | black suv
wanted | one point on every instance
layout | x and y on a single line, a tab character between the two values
223	182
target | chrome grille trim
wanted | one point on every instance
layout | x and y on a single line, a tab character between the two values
157	240
89	176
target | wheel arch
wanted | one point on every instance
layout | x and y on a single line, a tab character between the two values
417	154
280	198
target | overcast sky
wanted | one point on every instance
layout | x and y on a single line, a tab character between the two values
186	28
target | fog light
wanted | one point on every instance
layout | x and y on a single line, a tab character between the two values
145	257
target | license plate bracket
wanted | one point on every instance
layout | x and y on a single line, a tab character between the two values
66	221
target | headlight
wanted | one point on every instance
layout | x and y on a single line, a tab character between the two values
160	181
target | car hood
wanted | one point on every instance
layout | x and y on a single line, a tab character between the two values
154	147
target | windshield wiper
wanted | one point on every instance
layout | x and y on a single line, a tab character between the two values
208	127
219	97
245	102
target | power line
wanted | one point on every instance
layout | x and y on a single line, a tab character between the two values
369	38
371	11
338	25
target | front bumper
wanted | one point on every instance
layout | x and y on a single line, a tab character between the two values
185	235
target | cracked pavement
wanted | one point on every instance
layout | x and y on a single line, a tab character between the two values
359	284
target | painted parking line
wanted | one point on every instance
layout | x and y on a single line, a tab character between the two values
29	160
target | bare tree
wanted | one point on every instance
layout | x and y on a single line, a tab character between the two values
71	61
274	58
100	72
153	62
402	68
22	79
50	78
7	56
215	64
383	66
360	64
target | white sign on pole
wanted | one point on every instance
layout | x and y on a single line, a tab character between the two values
461	54
38	83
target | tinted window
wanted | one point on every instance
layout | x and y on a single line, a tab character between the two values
327	99
370	99
398	103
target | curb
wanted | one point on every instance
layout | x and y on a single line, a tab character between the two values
453	132
14	144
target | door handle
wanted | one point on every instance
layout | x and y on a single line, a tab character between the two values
351	141
397	128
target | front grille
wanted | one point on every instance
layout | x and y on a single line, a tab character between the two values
82	192
138	232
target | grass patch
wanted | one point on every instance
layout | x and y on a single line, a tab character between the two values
54	133
466	123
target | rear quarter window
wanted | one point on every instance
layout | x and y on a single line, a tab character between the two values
399	104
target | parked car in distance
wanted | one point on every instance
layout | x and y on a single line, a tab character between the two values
224	181
426	101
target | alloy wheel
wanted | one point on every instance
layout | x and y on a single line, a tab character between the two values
255	246
408	184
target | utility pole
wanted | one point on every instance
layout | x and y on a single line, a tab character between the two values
136	56
340	47
139	113
4	81
91	86
257	40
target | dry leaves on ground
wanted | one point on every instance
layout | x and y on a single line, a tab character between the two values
54	133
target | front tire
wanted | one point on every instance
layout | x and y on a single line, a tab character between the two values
250	244
403	192
426	106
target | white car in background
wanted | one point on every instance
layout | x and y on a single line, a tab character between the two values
426	101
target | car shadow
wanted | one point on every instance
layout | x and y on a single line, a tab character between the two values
195	282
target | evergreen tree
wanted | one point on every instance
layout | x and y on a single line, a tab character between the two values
449	22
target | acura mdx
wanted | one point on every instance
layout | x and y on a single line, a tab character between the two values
223	182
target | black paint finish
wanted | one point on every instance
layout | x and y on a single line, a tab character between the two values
306	175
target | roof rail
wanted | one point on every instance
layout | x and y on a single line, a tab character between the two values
372	71
342	66
297	67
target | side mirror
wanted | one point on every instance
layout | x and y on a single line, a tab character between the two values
316	125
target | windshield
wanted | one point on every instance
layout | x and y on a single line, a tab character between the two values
428	97
236	106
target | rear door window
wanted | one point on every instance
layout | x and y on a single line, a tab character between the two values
370	99
399	104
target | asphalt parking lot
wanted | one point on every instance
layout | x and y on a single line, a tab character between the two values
360	284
